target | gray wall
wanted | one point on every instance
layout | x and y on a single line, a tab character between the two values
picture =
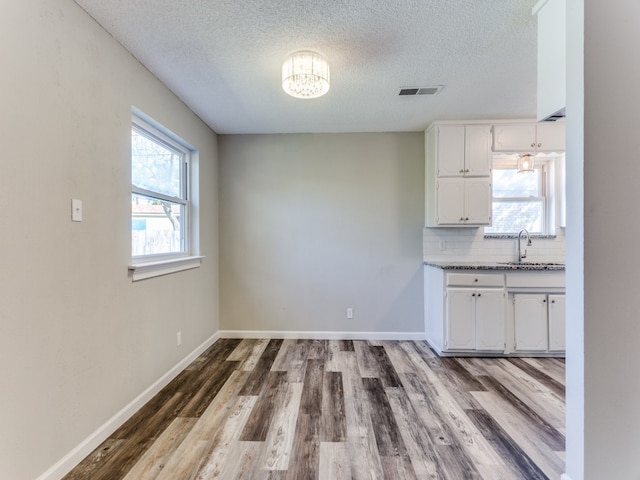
603	388
79	339
314	224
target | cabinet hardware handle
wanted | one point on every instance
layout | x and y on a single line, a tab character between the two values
461	171
539	145
461	219
466	219
553	301
467	170
475	280
479	294
544	301
473	294
533	144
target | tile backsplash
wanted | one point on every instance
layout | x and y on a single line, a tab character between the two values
470	244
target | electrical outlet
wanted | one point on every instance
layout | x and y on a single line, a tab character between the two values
443	245
349	312
178	339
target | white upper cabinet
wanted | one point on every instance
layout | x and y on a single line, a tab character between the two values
529	137
550	137
463	150
449	200
449	155
458	175
477	201
462	202
477	150
514	138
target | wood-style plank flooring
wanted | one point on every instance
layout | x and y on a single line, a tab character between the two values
325	409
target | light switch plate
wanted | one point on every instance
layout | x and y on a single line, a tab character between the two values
76	210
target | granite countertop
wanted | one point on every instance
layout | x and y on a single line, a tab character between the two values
496	265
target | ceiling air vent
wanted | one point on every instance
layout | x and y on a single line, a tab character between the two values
420	90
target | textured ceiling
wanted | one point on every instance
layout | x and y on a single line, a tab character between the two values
223	58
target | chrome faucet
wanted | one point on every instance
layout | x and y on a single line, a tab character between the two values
528	244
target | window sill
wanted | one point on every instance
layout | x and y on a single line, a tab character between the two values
142	271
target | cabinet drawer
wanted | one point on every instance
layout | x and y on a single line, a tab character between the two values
535	280
475	280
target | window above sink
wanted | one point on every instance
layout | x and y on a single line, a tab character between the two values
525	200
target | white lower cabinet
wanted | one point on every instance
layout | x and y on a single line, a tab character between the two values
484	312
539	322
490	320
460	320
475	319
530	322
556	323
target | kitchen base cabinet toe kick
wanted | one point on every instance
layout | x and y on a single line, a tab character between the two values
492	313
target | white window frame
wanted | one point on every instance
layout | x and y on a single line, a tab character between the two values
152	265
546	194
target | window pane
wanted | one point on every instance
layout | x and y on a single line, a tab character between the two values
513	216
510	183
156	226
155	167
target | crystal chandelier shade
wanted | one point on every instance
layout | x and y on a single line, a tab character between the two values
305	74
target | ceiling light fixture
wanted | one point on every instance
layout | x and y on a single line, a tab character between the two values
305	74
525	163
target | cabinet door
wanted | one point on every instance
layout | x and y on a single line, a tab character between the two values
478	155
460	328
514	138
450	201
551	137
450	151
530	322
490	320
477	201
556	323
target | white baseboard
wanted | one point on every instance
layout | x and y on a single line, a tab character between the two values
322	335
75	456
